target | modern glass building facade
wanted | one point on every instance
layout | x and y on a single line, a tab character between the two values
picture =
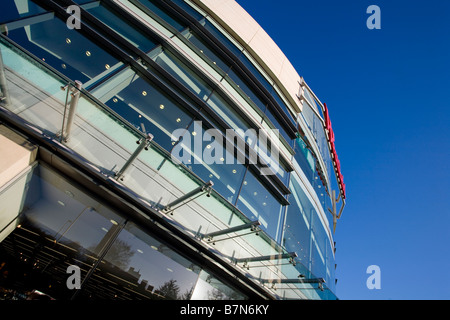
108	111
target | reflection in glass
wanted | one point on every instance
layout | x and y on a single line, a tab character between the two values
66	50
206	50
162	14
282	104
57	209
246	89
224	110
297	233
183	74
257	203
209	287
219	36
122	27
145	269
144	106
59	226
305	234
305	159
189	9
13	10
209	159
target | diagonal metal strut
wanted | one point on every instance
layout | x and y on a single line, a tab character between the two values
280	256
251	225
206	187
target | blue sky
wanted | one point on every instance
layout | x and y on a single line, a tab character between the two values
387	92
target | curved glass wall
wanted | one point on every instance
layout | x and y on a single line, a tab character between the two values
60	226
305	233
142	98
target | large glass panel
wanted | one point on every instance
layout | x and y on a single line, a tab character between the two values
183	74
59	210
246	89
206	50
113	20
144	105
60	226
194	13
13	10
304	233
321	252
253	69
205	153
257	203
66	50
137	267
305	159
209	287
161	13
282	104
276	125
219	36
227	113
297	232
321	183
32	89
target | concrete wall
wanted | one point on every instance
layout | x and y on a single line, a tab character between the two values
17	156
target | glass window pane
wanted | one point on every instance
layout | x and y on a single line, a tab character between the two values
222	38
122	27
163	14
206	50
209	287
208	158
183	74
283	106
297	229
141	267
13	10
227	113
68	51
194	13
59	226
255	72
305	159
147	108
57	209
257	203
277	125
244	87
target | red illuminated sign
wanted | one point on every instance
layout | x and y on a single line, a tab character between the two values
337	163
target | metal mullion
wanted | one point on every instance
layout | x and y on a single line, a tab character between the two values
240	187
101	256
